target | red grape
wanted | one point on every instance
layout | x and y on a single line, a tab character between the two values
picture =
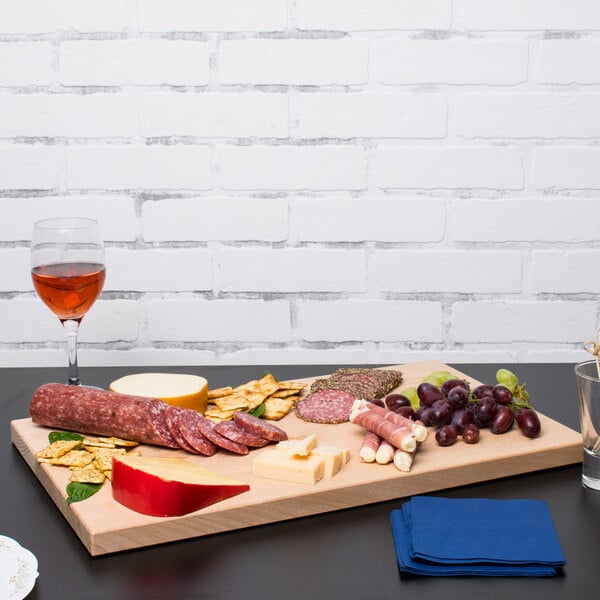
502	420
481	391
394	401
428	394
502	395
450	384
484	410
458	397
446	435
423	414
528	422
461	418
470	434
441	413
405	411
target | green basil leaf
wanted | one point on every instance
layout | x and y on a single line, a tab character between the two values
55	436
76	492
259	410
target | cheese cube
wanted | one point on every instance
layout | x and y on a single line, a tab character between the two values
301	447
281	465
334	458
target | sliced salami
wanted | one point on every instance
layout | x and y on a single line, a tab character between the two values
158	412
189	425
259	427
326	406
206	428
234	432
172	418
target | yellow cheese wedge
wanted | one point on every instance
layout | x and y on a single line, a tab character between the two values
187	391
281	465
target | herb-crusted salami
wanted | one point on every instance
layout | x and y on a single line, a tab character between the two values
365	384
326	406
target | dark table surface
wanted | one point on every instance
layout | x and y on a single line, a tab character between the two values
347	554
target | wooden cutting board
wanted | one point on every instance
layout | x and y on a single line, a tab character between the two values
104	526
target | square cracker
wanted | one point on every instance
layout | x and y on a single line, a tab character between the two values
277	408
219	392
87	474
57	449
103	457
74	458
232	402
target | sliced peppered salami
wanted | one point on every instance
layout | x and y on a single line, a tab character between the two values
172	418
326	406
234	432
259	427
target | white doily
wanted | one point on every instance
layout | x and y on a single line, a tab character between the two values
18	570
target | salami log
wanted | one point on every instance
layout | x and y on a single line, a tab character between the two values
326	406
98	412
259	427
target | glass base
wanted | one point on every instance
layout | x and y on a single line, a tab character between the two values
591	470
592	484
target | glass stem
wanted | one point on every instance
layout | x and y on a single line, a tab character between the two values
72	327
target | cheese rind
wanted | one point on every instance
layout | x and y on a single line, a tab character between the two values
177	389
167	487
283	466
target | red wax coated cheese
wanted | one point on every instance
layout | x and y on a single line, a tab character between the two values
168	487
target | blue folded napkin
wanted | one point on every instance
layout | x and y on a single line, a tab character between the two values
476	536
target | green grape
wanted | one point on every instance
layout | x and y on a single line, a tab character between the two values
438	377
411	394
507	378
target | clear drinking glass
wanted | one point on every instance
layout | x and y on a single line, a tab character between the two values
68	271
588	387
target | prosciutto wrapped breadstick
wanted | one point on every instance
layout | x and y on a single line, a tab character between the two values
369	447
397	436
385	453
403	460
418	429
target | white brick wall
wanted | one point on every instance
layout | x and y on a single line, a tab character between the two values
312	181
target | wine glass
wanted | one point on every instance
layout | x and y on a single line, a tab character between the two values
68	270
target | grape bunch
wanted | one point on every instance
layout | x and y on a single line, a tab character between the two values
454	409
